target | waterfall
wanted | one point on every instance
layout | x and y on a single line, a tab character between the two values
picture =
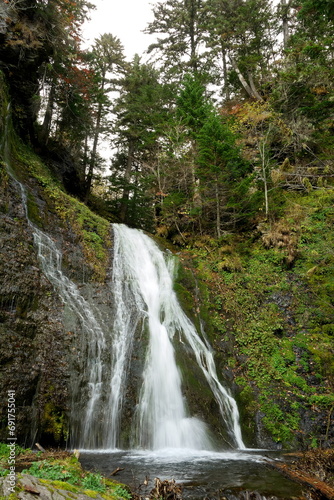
143	300
145	282
91	330
92	340
93	337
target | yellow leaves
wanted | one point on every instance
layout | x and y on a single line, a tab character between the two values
319	90
252	113
162	231
230	263
279	174
26	36
312	270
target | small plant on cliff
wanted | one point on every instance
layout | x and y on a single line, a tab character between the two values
94	482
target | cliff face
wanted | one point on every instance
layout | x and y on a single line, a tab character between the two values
35	349
45	348
270	303
42	348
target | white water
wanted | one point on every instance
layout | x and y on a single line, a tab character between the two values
163	421
94	339
92	342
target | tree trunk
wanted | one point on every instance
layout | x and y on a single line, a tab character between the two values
46	126
244	83
126	189
285	24
252	86
217	210
264	175
225	88
191	7
92	163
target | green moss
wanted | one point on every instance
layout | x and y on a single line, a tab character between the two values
92	231
61	485
33	210
276	313
90	493
54	422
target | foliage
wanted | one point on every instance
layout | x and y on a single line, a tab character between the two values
181	24
54	471
193	106
279	318
67	474
122	492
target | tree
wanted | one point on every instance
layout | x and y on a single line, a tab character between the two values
140	114
221	169
36	33
304	84
243	34
180	47
193	108
107	63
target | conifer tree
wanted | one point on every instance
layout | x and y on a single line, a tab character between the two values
108	63
180	48
221	169
140	114
242	34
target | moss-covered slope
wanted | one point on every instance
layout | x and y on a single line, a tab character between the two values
271	314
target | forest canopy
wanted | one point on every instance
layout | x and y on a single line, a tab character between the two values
235	106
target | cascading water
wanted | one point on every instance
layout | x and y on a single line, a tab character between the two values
93	338
143	296
162	419
93	335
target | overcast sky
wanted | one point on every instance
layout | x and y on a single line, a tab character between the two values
122	18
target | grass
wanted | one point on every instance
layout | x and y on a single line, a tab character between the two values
66	474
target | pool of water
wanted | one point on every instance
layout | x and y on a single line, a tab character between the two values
203	475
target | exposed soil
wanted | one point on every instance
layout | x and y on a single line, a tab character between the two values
24	460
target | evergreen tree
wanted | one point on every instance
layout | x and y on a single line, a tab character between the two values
140	114
242	34
193	108
107	63
180	49
221	170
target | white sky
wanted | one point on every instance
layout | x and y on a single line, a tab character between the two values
122	18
